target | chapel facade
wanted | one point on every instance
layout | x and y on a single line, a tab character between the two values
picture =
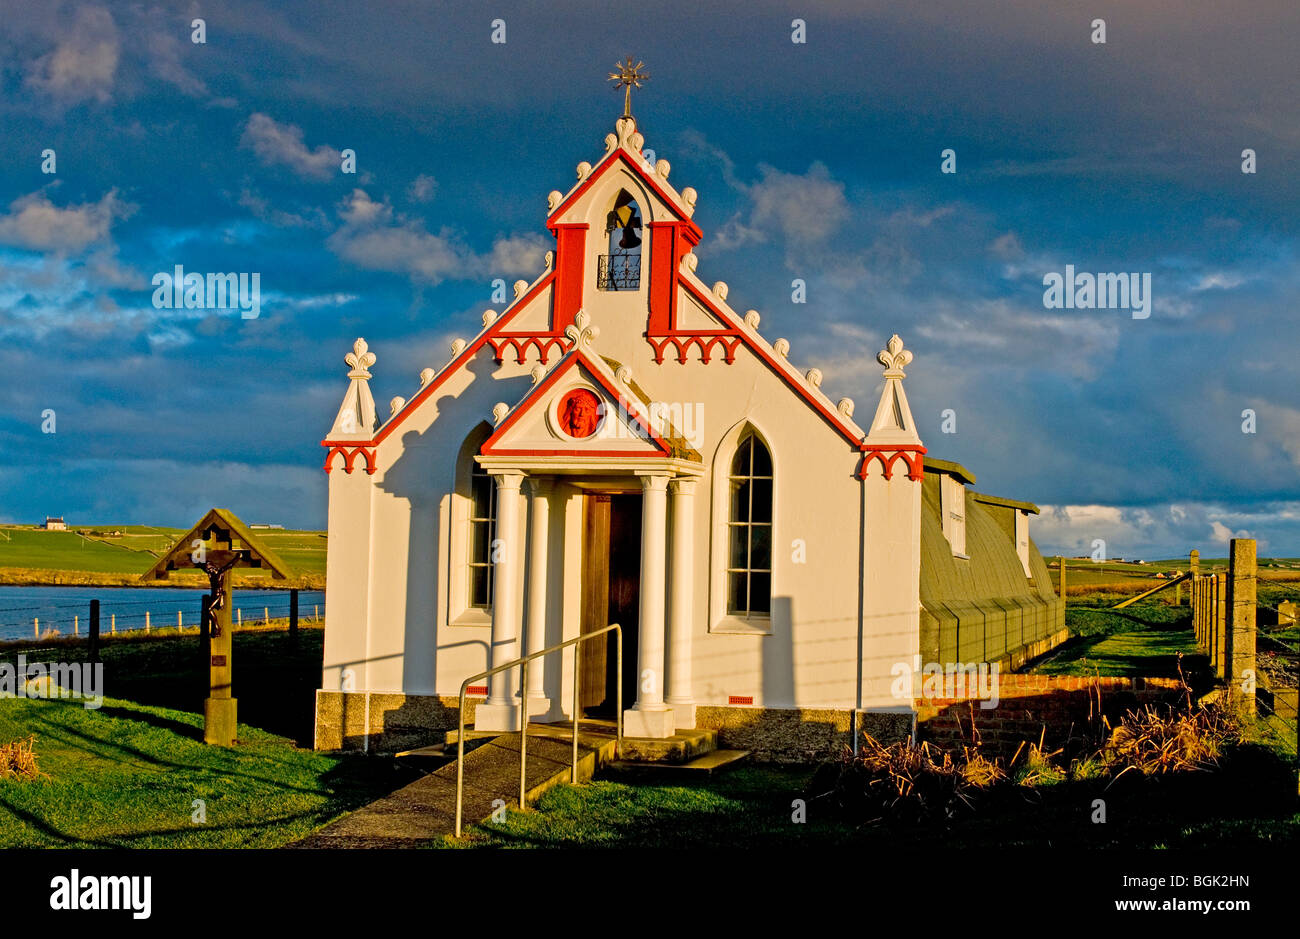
620	445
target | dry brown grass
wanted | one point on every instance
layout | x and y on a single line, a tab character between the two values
18	759
1156	743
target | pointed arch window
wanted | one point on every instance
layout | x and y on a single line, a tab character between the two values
620	269
749	530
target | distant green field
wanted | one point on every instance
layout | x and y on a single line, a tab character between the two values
136	549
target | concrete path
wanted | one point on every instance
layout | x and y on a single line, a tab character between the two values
424	812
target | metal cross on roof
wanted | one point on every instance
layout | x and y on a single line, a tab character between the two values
627	76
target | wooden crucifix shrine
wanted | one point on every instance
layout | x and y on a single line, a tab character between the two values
218	544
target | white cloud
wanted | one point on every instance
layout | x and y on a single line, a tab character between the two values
807	209
36	223
282	144
375	237
82	66
422	188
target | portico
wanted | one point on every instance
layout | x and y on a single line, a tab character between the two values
529	507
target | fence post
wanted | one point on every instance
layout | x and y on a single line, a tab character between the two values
1220	624
293	615
1194	568
94	630
146	620
1239	628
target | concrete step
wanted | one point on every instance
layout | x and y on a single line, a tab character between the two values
705	765
424	812
681	747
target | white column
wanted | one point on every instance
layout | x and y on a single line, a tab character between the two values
681	594
539	529
500	711
651	717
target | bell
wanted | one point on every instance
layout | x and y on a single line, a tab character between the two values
630	239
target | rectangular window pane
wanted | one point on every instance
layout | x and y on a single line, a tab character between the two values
480	542
479	588
739	551
737	601
740	500
762	502
762	460
760	550
481	492
760	592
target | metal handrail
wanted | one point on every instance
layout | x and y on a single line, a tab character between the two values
522	662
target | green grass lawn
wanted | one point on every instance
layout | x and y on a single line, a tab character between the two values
128	775
1144	639
135	550
1251	801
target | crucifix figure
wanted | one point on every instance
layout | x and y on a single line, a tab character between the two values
626	77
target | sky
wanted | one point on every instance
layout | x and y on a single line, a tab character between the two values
818	160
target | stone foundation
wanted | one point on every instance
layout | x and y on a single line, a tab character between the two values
798	735
378	722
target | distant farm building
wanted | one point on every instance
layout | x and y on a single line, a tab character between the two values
53	523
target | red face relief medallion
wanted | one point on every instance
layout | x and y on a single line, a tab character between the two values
579	413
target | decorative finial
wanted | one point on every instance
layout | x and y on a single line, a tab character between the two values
894	358
581	333
360	358
627	76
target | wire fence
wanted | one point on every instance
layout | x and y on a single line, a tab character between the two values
68	615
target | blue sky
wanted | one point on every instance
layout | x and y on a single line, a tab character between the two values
818	161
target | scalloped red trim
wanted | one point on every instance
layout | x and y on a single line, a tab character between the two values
520	342
350	458
730	341
912	456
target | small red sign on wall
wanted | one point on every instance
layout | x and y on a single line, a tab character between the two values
476	689
740	699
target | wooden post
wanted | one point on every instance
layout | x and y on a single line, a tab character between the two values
315	612
1239	628
146	620
94	630
219	710
112	623
205	650
36	626
266	616
76	624
293	615
240	615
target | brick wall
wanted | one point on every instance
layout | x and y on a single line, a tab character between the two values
1029	703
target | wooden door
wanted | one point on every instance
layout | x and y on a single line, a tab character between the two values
595	596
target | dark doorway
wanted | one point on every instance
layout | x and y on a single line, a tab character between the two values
611	578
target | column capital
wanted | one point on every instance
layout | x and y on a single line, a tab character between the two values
541	485
507	479
654	482
684	485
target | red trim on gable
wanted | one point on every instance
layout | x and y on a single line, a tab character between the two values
570	255
888	456
538	393
669	243
601	169
349	456
762	353
520	342
470	351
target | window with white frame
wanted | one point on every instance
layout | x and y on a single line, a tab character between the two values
749	530
952	508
